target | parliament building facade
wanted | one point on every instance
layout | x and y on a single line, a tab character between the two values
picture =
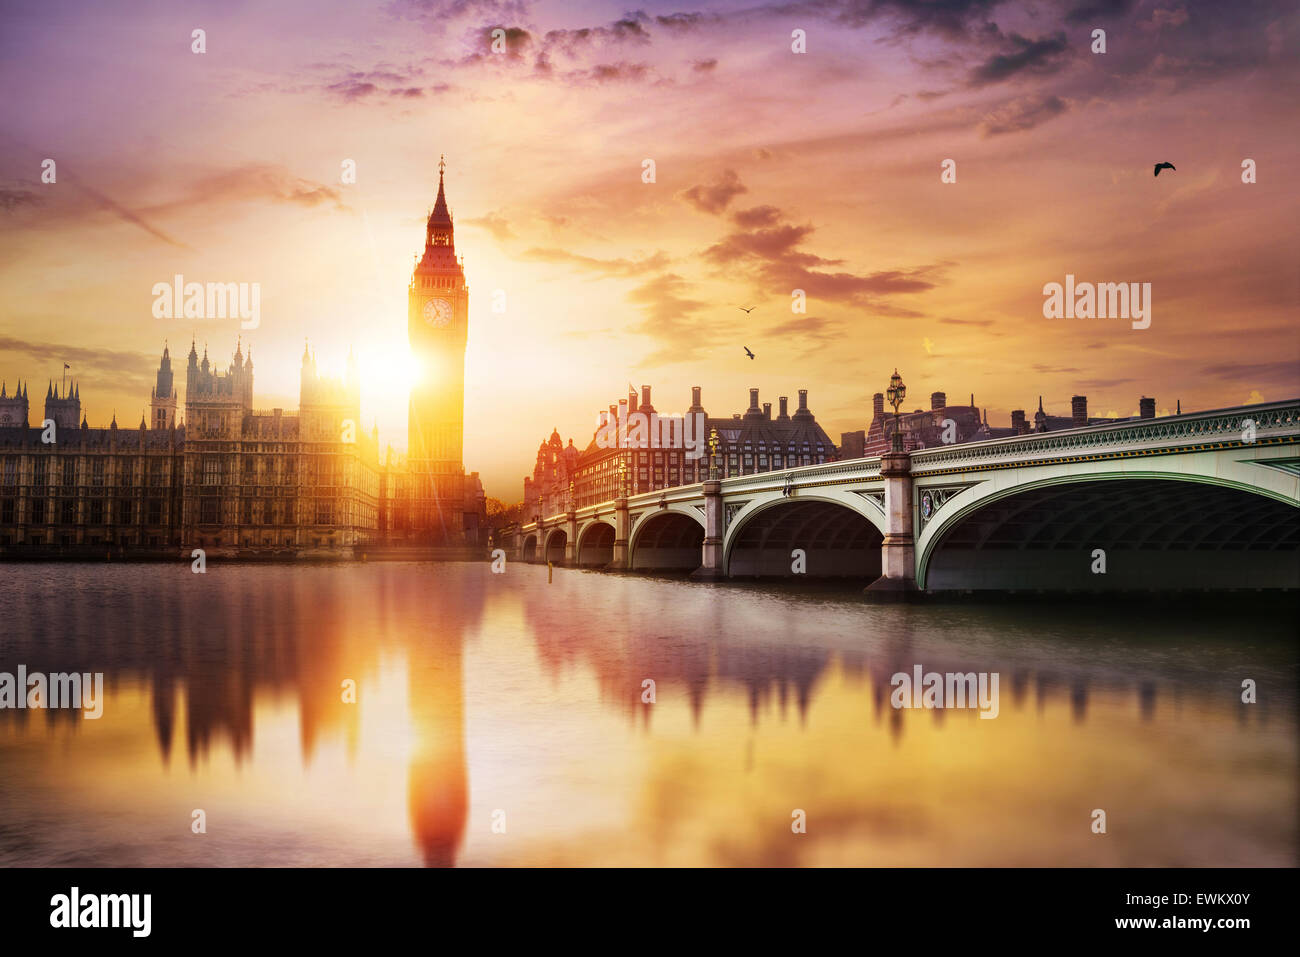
230	476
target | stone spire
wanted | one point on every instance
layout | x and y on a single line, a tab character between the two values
439	229
440	215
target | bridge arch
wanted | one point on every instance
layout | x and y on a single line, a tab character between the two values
667	539
840	533
595	544
1219	525
556	539
529	550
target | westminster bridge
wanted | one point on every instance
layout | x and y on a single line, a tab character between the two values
1205	500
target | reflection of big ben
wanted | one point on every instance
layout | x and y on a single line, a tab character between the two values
437	325
439	780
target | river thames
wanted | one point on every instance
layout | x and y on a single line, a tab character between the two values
501	720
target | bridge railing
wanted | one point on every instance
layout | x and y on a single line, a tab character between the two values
1271	420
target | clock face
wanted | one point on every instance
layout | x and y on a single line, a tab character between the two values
437	313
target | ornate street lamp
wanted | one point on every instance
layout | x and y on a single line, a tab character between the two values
572	501
713	454
896	393
622	478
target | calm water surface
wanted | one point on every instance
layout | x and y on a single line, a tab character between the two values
486	697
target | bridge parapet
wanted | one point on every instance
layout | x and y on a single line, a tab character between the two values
852	470
1272	422
849	470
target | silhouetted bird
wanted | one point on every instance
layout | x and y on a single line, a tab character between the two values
748	353
747	311
1160	166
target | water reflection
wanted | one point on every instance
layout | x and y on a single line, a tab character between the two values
439	788
504	684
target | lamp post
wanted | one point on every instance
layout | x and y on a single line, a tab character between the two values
713	454
897	548
622	478
572	501
896	393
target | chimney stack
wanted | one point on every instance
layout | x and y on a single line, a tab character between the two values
785	408
1018	421
878	404
938	400
631	401
695	399
645	398
1079	409
753	400
1147	408
802	412
767	410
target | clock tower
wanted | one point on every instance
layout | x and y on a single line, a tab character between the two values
437	326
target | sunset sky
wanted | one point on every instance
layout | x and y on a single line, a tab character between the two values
775	171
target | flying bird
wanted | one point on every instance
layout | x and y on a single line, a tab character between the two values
747	311
1160	166
748	353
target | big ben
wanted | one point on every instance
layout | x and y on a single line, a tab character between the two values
437	326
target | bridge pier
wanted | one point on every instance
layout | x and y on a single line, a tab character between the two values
571	540
619	562
711	558
897	579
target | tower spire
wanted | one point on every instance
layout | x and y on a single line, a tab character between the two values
440	218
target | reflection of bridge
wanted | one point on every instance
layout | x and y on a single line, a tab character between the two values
1204	500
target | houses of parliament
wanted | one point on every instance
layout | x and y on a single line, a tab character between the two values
219	473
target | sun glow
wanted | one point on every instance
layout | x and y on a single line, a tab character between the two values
389	371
